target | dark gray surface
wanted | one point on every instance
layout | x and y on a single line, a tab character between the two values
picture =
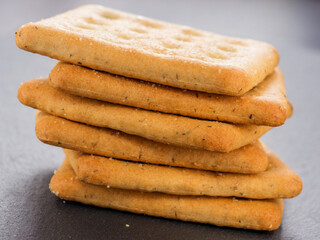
29	211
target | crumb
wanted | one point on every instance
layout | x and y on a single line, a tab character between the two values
127	225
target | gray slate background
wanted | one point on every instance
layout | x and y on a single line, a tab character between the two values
29	211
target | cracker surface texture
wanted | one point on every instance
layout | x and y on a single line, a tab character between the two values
105	39
266	104
110	143
278	181
159	127
231	212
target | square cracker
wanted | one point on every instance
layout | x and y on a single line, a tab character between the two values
278	181
159	127
110	143
142	48
266	104
230	212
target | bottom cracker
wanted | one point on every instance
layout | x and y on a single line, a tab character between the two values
231	212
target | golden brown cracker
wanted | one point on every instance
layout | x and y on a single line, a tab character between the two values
142	48
110	143
266	104
278	181
230	212
159	127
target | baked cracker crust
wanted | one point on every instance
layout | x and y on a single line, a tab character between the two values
278	181
110	143
230	212
159	127
134	46
266	104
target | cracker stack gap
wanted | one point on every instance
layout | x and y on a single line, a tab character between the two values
160	119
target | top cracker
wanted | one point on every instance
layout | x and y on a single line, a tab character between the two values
155	51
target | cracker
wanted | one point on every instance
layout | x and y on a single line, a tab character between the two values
278	181
266	104
159	127
142	48
230	212
110	143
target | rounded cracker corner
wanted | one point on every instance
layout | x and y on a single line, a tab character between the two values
56	76
289	109
25	89
21	38
272	216
40	129
21	92
298	185
240	81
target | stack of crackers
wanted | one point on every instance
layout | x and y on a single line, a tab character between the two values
160	119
